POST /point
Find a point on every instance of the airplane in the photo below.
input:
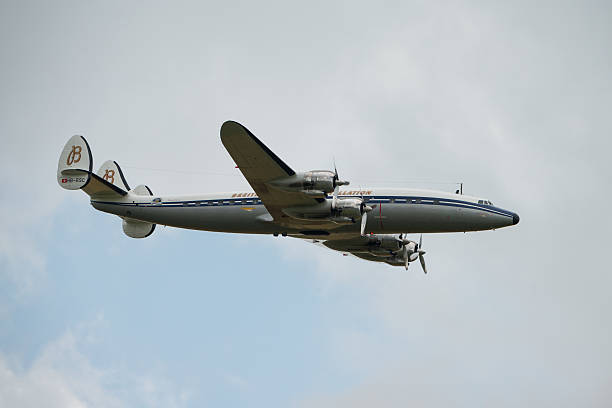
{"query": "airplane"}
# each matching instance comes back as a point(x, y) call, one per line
point(370, 223)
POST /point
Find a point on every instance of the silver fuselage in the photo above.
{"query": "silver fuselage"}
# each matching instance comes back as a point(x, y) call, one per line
point(394, 211)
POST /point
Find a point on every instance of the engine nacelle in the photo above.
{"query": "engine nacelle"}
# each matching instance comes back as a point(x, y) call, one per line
point(339, 211)
point(349, 208)
point(316, 183)
point(388, 242)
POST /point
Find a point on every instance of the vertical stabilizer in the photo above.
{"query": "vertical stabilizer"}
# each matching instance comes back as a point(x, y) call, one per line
point(111, 172)
point(74, 166)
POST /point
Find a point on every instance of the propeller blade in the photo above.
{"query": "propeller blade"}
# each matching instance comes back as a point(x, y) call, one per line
point(421, 241)
point(364, 221)
point(406, 258)
point(422, 259)
point(335, 171)
point(337, 181)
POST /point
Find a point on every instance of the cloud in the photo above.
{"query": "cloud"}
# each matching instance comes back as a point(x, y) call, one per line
point(63, 376)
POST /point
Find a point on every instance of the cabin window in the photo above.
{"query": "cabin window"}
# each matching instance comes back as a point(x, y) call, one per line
point(417, 201)
point(436, 202)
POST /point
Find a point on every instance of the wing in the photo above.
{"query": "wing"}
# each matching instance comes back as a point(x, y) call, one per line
point(360, 247)
point(369, 257)
point(260, 165)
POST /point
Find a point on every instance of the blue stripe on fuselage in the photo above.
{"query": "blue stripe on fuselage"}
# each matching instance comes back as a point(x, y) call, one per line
point(370, 199)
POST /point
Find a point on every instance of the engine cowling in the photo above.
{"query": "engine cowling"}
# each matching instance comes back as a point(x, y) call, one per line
point(319, 180)
point(348, 207)
point(388, 242)
point(316, 183)
point(342, 211)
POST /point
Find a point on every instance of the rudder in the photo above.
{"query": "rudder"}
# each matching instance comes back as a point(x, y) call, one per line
point(111, 172)
point(75, 162)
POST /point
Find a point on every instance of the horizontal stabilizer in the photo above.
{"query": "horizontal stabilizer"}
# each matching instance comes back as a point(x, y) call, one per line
point(98, 187)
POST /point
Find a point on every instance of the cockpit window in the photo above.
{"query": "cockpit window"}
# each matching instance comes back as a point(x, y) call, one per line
point(485, 202)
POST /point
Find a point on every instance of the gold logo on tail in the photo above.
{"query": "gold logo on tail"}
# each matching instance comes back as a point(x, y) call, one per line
point(109, 176)
point(74, 156)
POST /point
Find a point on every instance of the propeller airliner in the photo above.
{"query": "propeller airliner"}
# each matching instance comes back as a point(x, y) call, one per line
point(317, 205)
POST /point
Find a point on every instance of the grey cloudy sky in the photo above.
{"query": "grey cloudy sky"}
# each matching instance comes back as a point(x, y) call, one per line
point(513, 99)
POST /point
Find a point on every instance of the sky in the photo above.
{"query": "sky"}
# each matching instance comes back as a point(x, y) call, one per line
point(511, 98)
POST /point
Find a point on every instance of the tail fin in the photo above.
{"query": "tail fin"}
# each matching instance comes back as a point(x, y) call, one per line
point(111, 172)
point(75, 163)
point(135, 228)
point(74, 171)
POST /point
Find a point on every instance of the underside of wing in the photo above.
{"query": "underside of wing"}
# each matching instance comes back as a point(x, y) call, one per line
point(376, 248)
point(369, 257)
point(260, 166)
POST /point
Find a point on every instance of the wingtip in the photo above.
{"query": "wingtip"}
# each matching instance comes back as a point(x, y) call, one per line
point(230, 127)
point(231, 123)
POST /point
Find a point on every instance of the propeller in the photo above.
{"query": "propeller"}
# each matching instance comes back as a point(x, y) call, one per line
point(411, 251)
point(421, 253)
point(365, 209)
point(337, 182)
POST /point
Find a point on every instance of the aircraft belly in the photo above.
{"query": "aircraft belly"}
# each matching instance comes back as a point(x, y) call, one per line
point(220, 218)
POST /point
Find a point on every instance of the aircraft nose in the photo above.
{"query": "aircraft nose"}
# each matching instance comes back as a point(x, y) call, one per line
point(515, 219)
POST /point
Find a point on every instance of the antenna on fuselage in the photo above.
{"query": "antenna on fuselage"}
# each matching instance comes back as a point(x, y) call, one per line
point(460, 191)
